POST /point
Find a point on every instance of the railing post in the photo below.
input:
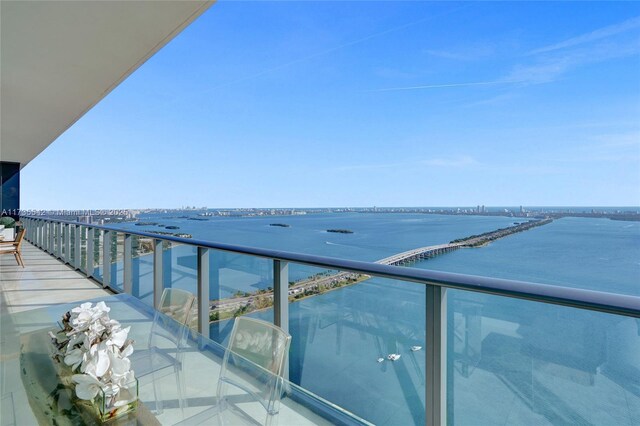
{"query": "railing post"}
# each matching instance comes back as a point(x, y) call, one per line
point(52, 238)
point(67, 243)
point(50, 232)
point(77, 257)
point(436, 356)
point(203, 291)
point(281, 294)
point(90, 237)
point(281, 300)
point(106, 259)
point(158, 284)
point(59, 227)
point(127, 285)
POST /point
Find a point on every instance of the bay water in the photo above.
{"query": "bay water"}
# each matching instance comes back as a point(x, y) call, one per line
point(509, 361)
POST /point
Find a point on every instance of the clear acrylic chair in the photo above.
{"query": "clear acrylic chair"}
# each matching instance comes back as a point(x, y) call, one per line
point(251, 376)
point(167, 343)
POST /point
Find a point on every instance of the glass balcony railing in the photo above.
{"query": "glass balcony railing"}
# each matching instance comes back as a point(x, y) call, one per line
point(472, 350)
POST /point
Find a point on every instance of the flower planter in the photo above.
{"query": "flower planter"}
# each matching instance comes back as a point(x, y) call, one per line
point(91, 353)
point(114, 406)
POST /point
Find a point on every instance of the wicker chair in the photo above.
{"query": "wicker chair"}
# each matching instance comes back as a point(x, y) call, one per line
point(13, 247)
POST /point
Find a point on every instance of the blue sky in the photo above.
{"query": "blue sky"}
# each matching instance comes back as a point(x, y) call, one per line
point(305, 104)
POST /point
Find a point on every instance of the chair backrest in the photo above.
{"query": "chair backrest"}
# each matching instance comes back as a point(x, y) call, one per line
point(19, 237)
point(255, 362)
point(170, 318)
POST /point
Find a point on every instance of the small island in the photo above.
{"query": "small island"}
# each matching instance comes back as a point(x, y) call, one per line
point(173, 234)
point(146, 223)
point(281, 225)
point(341, 231)
point(172, 227)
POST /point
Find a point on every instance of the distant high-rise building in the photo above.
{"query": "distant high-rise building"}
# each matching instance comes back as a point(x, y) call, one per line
point(85, 219)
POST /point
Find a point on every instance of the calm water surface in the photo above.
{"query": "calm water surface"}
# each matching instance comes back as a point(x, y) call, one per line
point(510, 361)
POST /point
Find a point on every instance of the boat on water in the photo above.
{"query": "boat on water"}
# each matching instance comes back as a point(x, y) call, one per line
point(393, 357)
point(415, 348)
point(380, 359)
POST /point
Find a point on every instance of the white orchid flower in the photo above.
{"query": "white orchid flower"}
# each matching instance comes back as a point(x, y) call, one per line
point(127, 350)
point(82, 308)
point(97, 362)
point(119, 366)
point(74, 358)
point(80, 340)
point(118, 337)
point(102, 307)
point(98, 346)
point(87, 387)
point(84, 315)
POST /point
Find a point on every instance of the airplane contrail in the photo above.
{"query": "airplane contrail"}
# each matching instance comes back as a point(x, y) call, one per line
point(335, 48)
point(438, 86)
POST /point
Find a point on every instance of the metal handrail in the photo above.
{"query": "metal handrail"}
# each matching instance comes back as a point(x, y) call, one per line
point(611, 303)
point(47, 234)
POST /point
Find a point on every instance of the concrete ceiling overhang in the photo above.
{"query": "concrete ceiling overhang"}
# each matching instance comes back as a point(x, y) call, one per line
point(59, 58)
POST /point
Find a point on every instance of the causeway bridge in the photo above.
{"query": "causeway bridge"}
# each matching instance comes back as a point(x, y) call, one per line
point(421, 253)
point(398, 259)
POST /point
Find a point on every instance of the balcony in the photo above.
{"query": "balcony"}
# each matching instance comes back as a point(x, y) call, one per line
point(482, 350)
point(33, 297)
point(473, 350)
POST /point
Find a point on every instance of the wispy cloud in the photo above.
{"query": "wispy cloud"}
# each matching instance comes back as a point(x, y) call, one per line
point(607, 148)
point(445, 162)
point(466, 53)
point(630, 139)
point(592, 36)
point(542, 72)
point(365, 167)
point(550, 67)
point(459, 162)
point(549, 63)
point(441, 86)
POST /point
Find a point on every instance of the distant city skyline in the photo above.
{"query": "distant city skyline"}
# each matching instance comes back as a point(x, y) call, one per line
point(381, 104)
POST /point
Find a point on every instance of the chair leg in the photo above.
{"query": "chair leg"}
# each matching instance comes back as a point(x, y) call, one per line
point(180, 385)
point(19, 257)
point(157, 394)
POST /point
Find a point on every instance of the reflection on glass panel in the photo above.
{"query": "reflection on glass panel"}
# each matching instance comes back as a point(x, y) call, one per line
point(344, 336)
point(519, 362)
point(142, 268)
point(239, 285)
point(54, 240)
point(179, 269)
point(83, 248)
point(361, 346)
point(98, 243)
point(63, 233)
point(117, 260)
point(72, 244)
